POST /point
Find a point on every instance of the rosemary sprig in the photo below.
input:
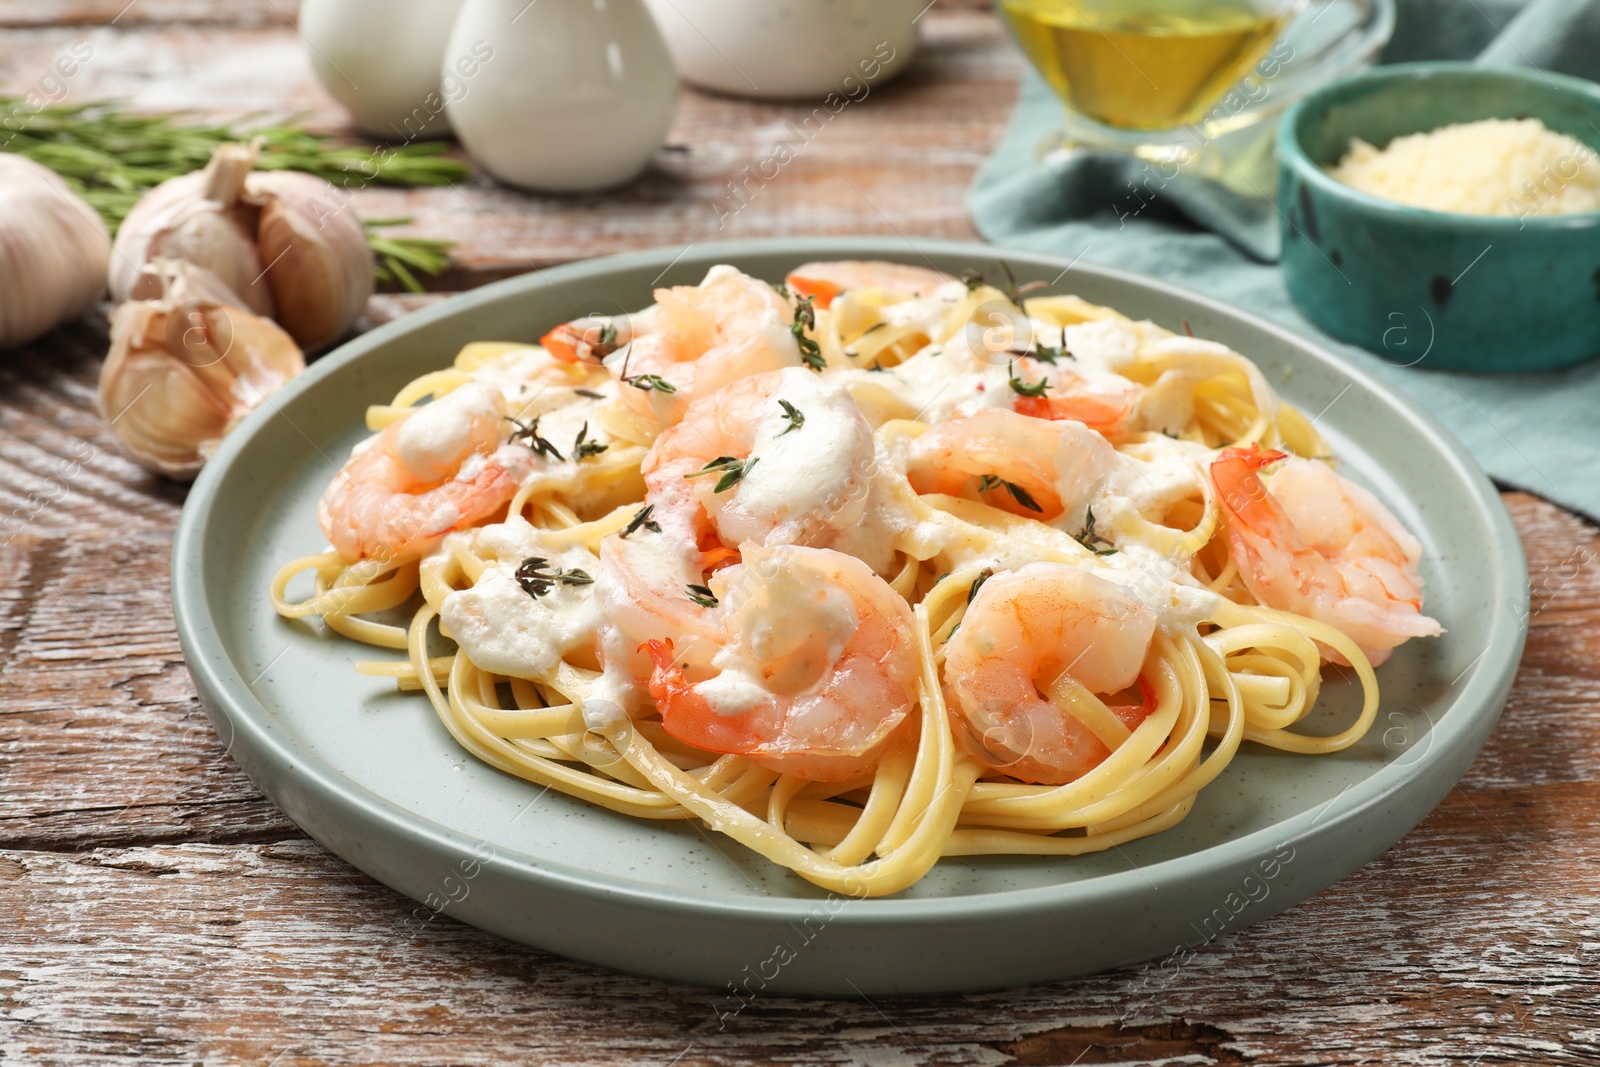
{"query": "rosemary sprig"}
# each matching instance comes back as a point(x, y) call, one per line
point(702, 595)
point(731, 468)
point(111, 156)
point(796, 418)
point(528, 433)
point(1093, 541)
point(536, 581)
point(641, 520)
point(398, 257)
point(1020, 495)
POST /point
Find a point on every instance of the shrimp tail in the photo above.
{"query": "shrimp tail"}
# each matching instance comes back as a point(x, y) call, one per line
point(822, 292)
point(1234, 472)
point(564, 343)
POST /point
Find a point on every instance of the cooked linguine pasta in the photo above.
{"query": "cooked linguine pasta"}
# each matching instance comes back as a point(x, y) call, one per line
point(864, 569)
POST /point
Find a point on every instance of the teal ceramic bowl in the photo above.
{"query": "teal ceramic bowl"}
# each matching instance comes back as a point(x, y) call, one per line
point(1428, 288)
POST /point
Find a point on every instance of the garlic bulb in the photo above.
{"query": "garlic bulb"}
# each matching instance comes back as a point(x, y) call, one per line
point(185, 368)
point(282, 241)
point(200, 219)
point(53, 251)
point(321, 269)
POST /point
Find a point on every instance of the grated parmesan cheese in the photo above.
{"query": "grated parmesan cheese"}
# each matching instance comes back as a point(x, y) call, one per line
point(1508, 167)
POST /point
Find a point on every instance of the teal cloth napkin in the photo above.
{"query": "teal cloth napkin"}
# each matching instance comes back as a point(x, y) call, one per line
point(1539, 432)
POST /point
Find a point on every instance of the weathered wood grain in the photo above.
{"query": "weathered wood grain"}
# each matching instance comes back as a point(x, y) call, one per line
point(193, 953)
point(157, 909)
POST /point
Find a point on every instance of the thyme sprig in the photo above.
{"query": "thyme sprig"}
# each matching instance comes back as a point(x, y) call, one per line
point(731, 468)
point(641, 520)
point(527, 433)
point(649, 382)
point(972, 593)
point(583, 448)
point(536, 581)
point(1093, 541)
point(795, 417)
point(1022, 388)
point(805, 318)
point(1020, 495)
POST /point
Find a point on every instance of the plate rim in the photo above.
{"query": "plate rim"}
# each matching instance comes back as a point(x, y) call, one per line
point(227, 691)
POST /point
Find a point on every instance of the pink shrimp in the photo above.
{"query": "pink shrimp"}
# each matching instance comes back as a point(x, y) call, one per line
point(800, 446)
point(1105, 404)
point(438, 469)
point(1031, 641)
point(698, 339)
point(1314, 543)
point(816, 668)
point(825, 281)
point(588, 340)
point(1027, 466)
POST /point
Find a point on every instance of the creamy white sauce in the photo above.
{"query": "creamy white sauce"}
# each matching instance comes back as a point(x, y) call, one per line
point(809, 481)
point(500, 626)
point(436, 438)
point(786, 632)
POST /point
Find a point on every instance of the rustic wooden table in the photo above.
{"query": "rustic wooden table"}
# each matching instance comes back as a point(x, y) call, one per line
point(157, 907)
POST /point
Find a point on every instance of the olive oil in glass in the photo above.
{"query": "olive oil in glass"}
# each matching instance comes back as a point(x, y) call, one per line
point(1143, 64)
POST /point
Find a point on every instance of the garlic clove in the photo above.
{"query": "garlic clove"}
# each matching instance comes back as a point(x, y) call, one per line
point(53, 251)
point(319, 265)
point(184, 369)
point(202, 218)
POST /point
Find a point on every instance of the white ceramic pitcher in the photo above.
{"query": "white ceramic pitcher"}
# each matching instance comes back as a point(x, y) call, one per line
point(381, 59)
point(576, 95)
point(790, 49)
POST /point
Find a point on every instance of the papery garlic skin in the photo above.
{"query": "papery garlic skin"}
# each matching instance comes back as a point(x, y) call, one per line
point(183, 370)
point(320, 266)
point(53, 251)
point(287, 243)
point(200, 218)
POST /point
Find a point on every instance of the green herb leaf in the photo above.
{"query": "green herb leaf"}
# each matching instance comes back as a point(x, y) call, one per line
point(641, 520)
point(1093, 541)
point(1022, 388)
point(647, 382)
point(731, 468)
point(528, 433)
point(536, 581)
point(977, 584)
point(1022, 496)
point(112, 156)
point(805, 318)
point(987, 482)
point(702, 595)
point(794, 415)
point(583, 448)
